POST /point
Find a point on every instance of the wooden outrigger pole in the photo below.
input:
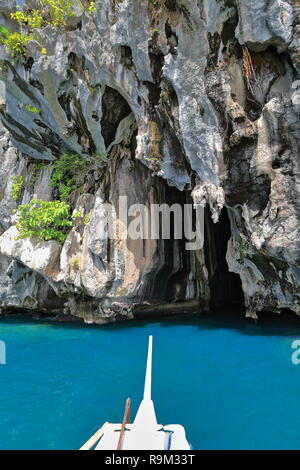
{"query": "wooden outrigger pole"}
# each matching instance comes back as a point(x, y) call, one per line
point(126, 419)
point(94, 439)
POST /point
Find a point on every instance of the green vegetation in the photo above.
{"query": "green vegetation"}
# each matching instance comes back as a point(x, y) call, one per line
point(99, 158)
point(68, 174)
point(15, 42)
point(263, 261)
point(52, 220)
point(75, 263)
point(156, 3)
point(32, 109)
point(35, 171)
point(44, 220)
point(32, 20)
point(54, 12)
point(91, 8)
point(76, 215)
point(243, 246)
point(50, 12)
point(17, 187)
point(87, 218)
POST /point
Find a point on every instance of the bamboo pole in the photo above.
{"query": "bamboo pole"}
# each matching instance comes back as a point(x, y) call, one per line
point(93, 440)
point(126, 416)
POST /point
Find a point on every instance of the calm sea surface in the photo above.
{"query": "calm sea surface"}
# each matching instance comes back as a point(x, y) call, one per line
point(231, 383)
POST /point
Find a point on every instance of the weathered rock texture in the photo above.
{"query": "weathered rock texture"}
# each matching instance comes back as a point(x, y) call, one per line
point(191, 99)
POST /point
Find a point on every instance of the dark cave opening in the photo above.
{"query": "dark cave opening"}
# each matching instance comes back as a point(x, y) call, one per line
point(170, 283)
point(229, 27)
point(225, 286)
point(114, 109)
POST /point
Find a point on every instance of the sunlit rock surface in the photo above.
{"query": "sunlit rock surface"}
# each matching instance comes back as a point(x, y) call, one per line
point(193, 101)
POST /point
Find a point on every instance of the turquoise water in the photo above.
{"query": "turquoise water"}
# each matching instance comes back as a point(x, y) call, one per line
point(231, 383)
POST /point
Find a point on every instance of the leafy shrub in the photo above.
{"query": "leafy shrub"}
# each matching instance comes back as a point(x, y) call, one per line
point(17, 187)
point(3, 31)
point(91, 8)
point(33, 20)
point(59, 11)
point(68, 174)
point(54, 12)
point(75, 263)
point(32, 109)
point(70, 169)
point(242, 246)
point(87, 218)
point(16, 43)
point(44, 220)
point(52, 220)
point(35, 170)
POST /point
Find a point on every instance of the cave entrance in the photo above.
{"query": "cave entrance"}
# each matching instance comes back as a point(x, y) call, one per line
point(225, 286)
point(114, 109)
point(170, 283)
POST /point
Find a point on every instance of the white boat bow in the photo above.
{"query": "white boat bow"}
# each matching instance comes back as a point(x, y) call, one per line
point(144, 433)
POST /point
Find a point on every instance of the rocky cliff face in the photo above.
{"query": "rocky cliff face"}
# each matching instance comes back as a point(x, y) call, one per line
point(190, 100)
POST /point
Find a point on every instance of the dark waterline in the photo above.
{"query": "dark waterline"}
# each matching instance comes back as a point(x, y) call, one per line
point(229, 381)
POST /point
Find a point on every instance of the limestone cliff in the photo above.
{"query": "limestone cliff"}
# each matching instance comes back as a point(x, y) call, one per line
point(190, 100)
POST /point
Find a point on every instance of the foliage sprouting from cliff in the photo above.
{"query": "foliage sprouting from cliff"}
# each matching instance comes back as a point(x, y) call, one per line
point(17, 186)
point(52, 220)
point(68, 174)
point(29, 20)
point(45, 220)
point(15, 42)
point(54, 12)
